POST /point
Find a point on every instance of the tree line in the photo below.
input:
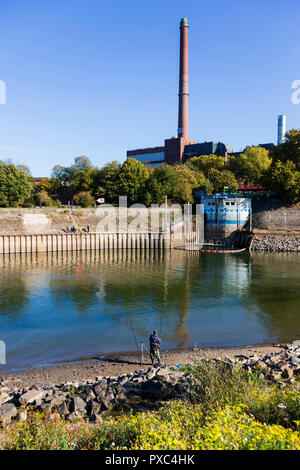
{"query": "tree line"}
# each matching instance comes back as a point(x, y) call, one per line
point(277, 170)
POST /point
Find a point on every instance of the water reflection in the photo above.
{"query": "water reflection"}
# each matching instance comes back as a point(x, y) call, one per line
point(69, 305)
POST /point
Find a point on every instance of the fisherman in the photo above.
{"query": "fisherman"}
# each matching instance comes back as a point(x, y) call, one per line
point(154, 348)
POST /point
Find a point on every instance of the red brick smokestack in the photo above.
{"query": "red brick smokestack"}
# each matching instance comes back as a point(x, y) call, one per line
point(183, 130)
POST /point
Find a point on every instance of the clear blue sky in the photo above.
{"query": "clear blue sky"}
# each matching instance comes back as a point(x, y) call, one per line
point(97, 78)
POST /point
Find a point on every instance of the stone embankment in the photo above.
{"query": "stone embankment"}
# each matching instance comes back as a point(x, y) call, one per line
point(268, 243)
point(138, 391)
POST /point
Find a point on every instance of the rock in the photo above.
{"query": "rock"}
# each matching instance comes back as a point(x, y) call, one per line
point(93, 408)
point(133, 396)
point(100, 388)
point(32, 396)
point(296, 344)
point(36, 387)
point(121, 396)
point(163, 374)
point(22, 416)
point(67, 386)
point(97, 418)
point(88, 396)
point(49, 387)
point(295, 360)
point(4, 390)
point(241, 357)
point(287, 372)
point(151, 372)
point(107, 401)
point(281, 384)
point(58, 400)
point(63, 409)
point(123, 381)
point(46, 406)
point(151, 389)
point(7, 411)
point(281, 365)
point(275, 375)
point(274, 362)
point(78, 405)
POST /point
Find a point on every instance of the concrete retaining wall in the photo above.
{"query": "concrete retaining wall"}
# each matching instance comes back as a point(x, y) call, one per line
point(77, 242)
point(272, 215)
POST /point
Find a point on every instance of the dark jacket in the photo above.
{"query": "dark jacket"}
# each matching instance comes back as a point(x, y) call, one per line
point(154, 341)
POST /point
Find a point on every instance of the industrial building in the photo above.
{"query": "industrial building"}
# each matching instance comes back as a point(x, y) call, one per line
point(179, 148)
point(224, 213)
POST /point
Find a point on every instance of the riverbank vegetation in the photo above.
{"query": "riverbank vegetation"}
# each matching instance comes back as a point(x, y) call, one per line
point(277, 170)
point(228, 408)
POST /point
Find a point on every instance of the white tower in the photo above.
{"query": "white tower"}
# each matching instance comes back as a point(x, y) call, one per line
point(281, 129)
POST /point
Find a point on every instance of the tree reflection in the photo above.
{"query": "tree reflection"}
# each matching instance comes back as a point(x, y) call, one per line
point(275, 285)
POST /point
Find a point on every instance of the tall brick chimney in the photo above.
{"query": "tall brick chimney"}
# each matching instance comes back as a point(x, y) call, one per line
point(183, 130)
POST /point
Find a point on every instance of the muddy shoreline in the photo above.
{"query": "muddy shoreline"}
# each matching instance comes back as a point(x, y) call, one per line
point(113, 365)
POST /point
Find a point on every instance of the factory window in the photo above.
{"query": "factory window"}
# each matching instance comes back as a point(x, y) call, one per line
point(149, 157)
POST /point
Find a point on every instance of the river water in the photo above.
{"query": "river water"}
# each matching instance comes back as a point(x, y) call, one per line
point(61, 307)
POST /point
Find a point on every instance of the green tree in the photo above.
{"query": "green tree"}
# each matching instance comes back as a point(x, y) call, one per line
point(220, 179)
point(107, 182)
point(283, 176)
point(205, 163)
point(252, 164)
point(46, 184)
point(24, 168)
point(81, 175)
point(74, 179)
point(284, 179)
point(161, 183)
point(288, 150)
point(133, 176)
point(15, 185)
point(186, 183)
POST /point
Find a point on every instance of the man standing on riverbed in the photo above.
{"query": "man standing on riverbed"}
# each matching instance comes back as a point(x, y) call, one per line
point(154, 348)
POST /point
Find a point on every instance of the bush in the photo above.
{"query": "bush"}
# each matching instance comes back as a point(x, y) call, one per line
point(43, 199)
point(218, 384)
point(84, 199)
point(56, 203)
point(179, 425)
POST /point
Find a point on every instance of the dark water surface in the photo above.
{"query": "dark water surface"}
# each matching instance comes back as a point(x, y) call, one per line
point(61, 307)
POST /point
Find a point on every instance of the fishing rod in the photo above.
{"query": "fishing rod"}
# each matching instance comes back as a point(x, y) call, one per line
point(161, 319)
point(134, 336)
